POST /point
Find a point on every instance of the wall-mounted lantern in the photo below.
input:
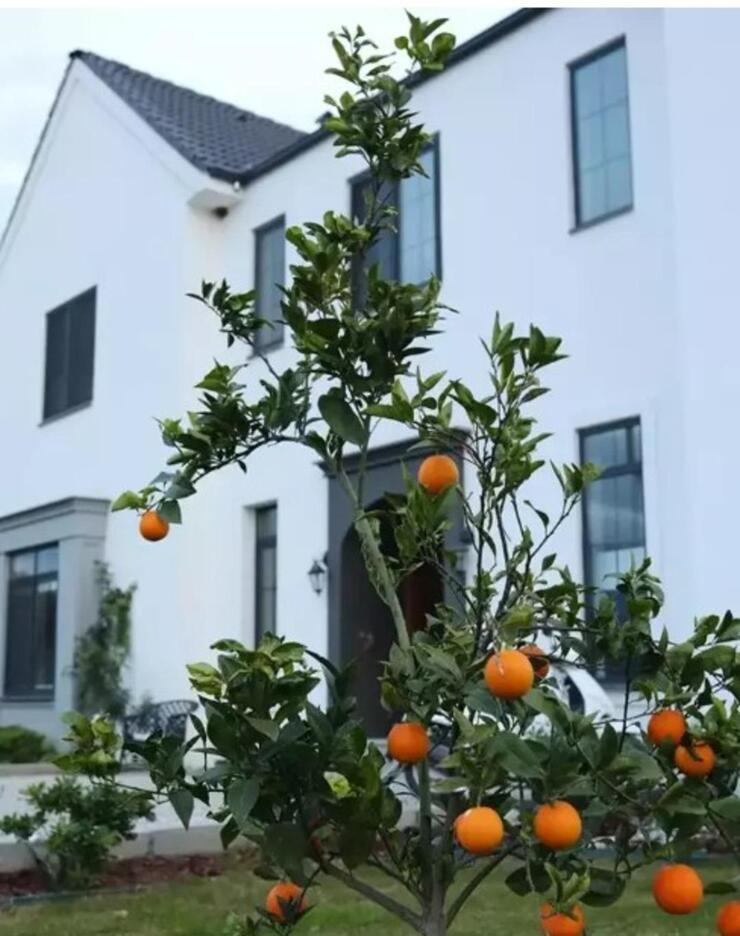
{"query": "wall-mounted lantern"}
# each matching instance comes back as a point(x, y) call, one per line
point(317, 575)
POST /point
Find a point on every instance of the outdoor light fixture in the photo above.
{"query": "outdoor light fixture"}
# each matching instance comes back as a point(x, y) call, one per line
point(317, 575)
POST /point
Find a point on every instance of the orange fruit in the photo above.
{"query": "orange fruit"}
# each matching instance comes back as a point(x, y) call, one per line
point(666, 725)
point(509, 674)
point(728, 919)
point(479, 830)
point(561, 924)
point(678, 889)
point(437, 473)
point(408, 743)
point(153, 526)
point(285, 901)
point(538, 659)
point(557, 825)
point(697, 760)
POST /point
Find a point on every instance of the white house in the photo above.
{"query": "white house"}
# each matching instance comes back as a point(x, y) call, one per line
point(582, 177)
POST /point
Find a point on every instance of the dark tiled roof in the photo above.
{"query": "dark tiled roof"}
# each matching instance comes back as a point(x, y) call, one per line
point(222, 140)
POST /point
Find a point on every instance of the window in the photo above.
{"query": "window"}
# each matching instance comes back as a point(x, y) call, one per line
point(265, 590)
point(269, 275)
point(613, 510)
point(30, 646)
point(70, 353)
point(411, 253)
point(602, 162)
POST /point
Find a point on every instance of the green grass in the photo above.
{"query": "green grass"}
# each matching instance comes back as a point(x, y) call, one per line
point(199, 906)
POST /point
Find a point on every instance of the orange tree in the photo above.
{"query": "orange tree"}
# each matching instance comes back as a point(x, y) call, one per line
point(526, 780)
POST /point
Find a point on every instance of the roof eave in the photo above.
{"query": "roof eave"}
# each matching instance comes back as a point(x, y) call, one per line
point(470, 47)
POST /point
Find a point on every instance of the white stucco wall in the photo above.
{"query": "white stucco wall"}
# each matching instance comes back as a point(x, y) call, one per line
point(643, 302)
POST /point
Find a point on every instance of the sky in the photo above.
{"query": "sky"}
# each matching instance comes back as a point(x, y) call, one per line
point(268, 59)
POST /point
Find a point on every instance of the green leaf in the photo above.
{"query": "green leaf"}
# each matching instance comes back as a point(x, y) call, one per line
point(727, 808)
point(182, 802)
point(355, 844)
point(608, 747)
point(170, 511)
point(265, 726)
point(720, 887)
point(286, 844)
point(525, 879)
point(241, 798)
point(515, 755)
point(341, 417)
point(126, 501)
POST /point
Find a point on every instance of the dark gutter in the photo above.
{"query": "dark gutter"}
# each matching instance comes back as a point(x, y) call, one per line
point(480, 41)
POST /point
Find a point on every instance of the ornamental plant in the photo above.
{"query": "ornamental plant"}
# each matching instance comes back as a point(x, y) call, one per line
point(527, 787)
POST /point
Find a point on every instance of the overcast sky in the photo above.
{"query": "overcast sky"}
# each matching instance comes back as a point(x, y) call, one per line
point(266, 59)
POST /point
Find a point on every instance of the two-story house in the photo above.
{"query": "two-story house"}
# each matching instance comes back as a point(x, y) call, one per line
point(582, 177)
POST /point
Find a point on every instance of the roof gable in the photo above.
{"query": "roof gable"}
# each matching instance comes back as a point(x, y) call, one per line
point(218, 138)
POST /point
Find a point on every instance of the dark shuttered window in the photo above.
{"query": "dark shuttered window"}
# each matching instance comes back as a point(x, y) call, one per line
point(265, 590)
point(70, 355)
point(269, 268)
point(30, 638)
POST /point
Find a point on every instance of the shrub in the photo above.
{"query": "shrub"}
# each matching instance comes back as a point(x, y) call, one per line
point(19, 745)
point(71, 828)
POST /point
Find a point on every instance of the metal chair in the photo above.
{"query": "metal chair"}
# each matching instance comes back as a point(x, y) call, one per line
point(168, 718)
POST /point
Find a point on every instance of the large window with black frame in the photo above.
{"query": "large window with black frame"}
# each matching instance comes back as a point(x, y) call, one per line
point(265, 578)
point(613, 509)
point(411, 252)
point(31, 618)
point(600, 121)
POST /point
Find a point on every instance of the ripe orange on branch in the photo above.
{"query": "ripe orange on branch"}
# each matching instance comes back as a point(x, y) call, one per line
point(561, 924)
point(153, 526)
point(479, 830)
point(408, 743)
point(678, 889)
point(557, 825)
point(666, 725)
point(538, 659)
point(285, 896)
point(696, 760)
point(728, 919)
point(437, 473)
point(509, 674)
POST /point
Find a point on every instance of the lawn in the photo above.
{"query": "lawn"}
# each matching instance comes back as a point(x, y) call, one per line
point(198, 908)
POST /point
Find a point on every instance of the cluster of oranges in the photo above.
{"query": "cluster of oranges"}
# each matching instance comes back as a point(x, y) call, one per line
point(693, 758)
point(679, 890)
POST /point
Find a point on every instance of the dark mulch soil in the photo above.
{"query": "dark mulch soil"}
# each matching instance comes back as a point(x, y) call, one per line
point(131, 872)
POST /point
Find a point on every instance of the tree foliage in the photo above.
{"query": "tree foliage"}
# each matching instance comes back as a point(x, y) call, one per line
point(305, 783)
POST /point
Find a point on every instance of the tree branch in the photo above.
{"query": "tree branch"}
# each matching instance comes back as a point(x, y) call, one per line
point(382, 900)
point(477, 879)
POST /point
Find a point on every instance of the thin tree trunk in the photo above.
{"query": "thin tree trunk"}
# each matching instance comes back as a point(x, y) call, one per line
point(435, 926)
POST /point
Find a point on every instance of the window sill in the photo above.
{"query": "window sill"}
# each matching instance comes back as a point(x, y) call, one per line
point(27, 699)
point(68, 412)
point(601, 219)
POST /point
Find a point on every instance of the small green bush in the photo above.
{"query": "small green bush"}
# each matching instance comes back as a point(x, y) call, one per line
point(71, 829)
point(19, 745)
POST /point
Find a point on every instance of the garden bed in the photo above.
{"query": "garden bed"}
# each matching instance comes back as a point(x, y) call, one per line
point(130, 873)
